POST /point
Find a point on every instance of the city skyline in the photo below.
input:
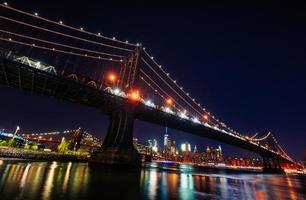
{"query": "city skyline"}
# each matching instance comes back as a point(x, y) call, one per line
point(157, 145)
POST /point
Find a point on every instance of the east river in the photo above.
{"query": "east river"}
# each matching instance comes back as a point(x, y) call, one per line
point(22, 179)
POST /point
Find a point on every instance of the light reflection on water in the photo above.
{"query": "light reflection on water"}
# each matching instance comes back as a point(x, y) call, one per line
point(66, 180)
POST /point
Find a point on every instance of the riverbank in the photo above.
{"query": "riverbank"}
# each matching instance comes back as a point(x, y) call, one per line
point(41, 155)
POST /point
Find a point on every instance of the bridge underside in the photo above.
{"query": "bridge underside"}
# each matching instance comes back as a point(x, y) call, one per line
point(119, 137)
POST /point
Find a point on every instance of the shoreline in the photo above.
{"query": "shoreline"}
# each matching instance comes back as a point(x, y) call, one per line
point(34, 155)
point(40, 155)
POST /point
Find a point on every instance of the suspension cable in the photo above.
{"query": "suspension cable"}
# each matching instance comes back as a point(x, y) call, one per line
point(169, 85)
point(286, 155)
point(58, 44)
point(197, 104)
point(260, 139)
point(159, 87)
point(56, 50)
point(63, 34)
point(150, 85)
point(66, 26)
point(254, 136)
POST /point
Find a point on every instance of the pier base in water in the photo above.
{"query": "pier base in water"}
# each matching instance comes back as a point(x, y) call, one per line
point(118, 148)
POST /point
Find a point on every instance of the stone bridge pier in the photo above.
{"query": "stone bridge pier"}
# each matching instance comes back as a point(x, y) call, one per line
point(117, 147)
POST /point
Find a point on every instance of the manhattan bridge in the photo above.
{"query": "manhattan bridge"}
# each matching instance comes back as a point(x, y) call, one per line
point(48, 57)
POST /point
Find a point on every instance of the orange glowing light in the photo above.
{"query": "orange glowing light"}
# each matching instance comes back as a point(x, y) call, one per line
point(134, 95)
point(112, 77)
point(206, 117)
point(169, 101)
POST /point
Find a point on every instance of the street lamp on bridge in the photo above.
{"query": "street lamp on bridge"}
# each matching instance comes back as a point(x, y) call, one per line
point(112, 77)
point(169, 101)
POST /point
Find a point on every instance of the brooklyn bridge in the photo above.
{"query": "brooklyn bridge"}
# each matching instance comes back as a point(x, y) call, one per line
point(120, 78)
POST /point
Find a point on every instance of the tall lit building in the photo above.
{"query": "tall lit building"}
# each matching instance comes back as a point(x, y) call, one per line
point(155, 146)
point(213, 154)
point(186, 147)
point(169, 146)
point(166, 139)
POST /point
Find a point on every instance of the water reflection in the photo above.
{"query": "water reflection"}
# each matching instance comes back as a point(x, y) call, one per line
point(41, 180)
point(183, 182)
point(67, 180)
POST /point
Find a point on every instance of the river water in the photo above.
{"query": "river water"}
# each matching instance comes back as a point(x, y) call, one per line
point(21, 179)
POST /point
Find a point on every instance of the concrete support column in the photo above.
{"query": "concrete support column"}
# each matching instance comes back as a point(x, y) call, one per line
point(117, 147)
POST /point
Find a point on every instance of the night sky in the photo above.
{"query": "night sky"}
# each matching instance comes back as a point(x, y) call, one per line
point(245, 62)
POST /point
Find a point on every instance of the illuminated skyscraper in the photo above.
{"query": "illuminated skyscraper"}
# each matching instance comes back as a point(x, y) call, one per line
point(186, 147)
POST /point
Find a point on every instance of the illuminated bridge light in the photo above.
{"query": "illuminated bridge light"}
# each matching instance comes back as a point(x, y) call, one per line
point(118, 92)
point(206, 124)
point(183, 115)
point(134, 95)
point(169, 101)
point(168, 110)
point(205, 117)
point(196, 120)
point(149, 103)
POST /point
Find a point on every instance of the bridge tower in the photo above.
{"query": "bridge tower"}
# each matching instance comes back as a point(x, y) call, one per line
point(128, 76)
point(117, 147)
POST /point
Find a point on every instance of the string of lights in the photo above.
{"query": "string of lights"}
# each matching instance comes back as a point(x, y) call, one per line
point(187, 94)
point(281, 149)
point(155, 90)
point(56, 50)
point(171, 87)
point(63, 34)
point(99, 35)
point(150, 85)
point(58, 44)
point(160, 88)
point(260, 139)
point(254, 136)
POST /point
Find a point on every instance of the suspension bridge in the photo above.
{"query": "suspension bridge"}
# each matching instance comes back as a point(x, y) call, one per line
point(48, 57)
